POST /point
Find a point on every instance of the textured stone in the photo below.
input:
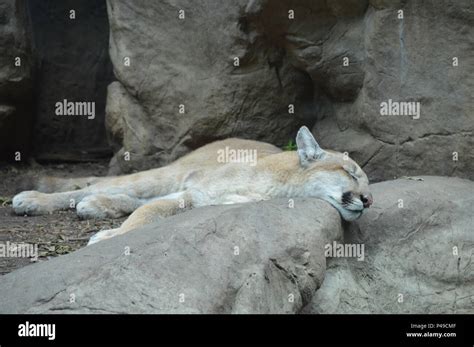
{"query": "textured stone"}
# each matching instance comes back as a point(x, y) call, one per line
point(189, 62)
point(422, 251)
point(407, 59)
point(409, 251)
point(251, 258)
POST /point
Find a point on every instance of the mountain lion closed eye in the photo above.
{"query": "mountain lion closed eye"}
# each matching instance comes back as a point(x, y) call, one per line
point(223, 172)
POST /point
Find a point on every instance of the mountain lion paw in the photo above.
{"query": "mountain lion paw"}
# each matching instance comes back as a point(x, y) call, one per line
point(31, 203)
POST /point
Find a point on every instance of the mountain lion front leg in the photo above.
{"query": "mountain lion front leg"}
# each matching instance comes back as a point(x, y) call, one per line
point(141, 185)
point(89, 203)
point(148, 213)
point(36, 203)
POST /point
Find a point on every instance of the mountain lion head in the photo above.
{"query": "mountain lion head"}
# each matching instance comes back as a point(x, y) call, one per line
point(333, 176)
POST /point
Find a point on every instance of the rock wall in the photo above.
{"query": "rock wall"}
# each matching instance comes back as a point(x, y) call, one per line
point(294, 52)
point(408, 59)
point(16, 80)
point(163, 62)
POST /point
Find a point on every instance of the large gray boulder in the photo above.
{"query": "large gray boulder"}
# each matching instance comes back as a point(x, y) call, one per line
point(162, 62)
point(269, 258)
point(300, 61)
point(253, 258)
point(419, 244)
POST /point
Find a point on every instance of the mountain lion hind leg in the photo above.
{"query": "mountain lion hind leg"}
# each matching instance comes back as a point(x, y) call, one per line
point(100, 206)
point(148, 213)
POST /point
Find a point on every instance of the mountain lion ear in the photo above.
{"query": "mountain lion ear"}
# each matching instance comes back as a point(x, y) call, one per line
point(308, 148)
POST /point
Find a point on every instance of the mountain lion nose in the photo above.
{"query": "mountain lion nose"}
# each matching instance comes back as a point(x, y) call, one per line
point(367, 200)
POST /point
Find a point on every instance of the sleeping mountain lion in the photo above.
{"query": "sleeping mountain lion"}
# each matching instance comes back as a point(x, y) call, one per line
point(207, 177)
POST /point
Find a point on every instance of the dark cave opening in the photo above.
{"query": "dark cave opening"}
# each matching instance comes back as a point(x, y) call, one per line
point(70, 45)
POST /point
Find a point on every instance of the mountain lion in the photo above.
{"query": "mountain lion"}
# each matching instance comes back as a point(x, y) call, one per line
point(223, 172)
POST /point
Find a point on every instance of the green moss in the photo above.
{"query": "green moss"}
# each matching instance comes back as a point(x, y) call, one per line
point(290, 146)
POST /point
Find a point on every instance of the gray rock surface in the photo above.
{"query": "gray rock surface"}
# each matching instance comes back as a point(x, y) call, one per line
point(190, 61)
point(409, 59)
point(189, 263)
point(417, 259)
point(16, 81)
point(409, 251)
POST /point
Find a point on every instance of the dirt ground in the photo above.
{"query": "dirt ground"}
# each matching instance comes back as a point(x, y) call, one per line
point(55, 234)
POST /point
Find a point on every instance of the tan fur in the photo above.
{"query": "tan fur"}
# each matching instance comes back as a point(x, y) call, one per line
point(199, 179)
